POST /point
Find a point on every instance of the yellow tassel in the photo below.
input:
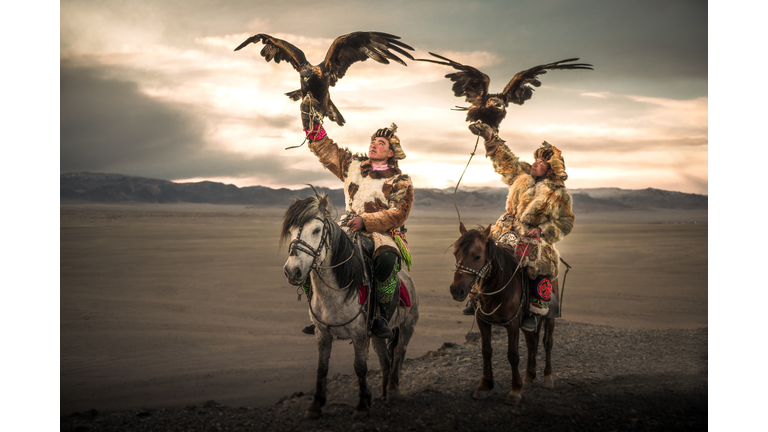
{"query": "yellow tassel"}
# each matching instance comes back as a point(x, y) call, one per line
point(404, 251)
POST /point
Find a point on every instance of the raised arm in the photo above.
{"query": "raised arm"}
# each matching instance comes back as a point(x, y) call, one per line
point(333, 157)
point(505, 162)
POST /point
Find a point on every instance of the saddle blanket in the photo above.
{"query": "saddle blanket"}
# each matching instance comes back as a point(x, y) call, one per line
point(405, 298)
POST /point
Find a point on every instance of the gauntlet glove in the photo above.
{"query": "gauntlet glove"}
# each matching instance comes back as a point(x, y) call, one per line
point(491, 138)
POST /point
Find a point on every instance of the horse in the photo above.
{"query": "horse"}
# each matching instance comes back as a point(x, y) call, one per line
point(321, 251)
point(495, 279)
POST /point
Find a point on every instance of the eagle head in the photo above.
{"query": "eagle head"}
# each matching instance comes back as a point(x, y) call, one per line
point(495, 103)
point(305, 73)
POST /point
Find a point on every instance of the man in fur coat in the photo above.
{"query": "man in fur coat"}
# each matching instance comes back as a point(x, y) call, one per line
point(538, 207)
point(378, 200)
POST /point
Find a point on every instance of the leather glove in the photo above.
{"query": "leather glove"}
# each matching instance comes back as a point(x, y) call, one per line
point(481, 129)
point(310, 112)
point(492, 139)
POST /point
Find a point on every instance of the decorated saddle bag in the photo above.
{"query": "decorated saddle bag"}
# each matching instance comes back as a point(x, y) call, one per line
point(526, 250)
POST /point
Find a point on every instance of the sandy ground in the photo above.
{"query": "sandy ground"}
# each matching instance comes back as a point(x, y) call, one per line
point(174, 305)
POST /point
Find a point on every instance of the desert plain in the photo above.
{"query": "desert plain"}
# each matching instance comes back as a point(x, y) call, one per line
point(167, 305)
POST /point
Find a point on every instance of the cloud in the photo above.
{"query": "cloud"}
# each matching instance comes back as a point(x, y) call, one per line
point(149, 91)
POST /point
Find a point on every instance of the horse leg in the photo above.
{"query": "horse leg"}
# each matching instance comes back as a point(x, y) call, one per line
point(405, 332)
point(324, 343)
point(513, 337)
point(486, 382)
point(385, 362)
point(532, 344)
point(360, 344)
point(549, 332)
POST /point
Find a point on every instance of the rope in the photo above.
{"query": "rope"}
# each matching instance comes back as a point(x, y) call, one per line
point(462, 176)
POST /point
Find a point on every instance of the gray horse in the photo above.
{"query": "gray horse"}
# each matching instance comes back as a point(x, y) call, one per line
point(321, 251)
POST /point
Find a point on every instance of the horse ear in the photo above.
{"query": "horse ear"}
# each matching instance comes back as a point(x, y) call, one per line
point(462, 228)
point(322, 200)
point(487, 231)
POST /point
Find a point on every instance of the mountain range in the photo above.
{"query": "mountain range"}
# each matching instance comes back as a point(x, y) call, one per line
point(101, 187)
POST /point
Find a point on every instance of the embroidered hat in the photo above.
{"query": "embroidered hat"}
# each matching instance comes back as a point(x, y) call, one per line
point(394, 141)
point(554, 158)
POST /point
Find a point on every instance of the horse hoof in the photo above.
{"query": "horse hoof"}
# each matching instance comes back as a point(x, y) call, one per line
point(359, 414)
point(528, 378)
point(513, 398)
point(548, 382)
point(393, 395)
point(312, 415)
point(481, 395)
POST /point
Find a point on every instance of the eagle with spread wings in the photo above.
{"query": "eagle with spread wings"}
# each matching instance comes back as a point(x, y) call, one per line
point(492, 108)
point(343, 52)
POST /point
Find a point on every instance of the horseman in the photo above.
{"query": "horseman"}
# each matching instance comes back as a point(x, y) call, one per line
point(538, 209)
point(378, 200)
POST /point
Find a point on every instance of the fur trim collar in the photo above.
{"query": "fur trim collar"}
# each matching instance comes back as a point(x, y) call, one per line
point(366, 168)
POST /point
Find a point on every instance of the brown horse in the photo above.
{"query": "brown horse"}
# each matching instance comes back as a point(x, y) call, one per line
point(491, 275)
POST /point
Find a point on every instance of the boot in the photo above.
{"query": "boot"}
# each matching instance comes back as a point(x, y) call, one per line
point(470, 309)
point(380, 329)
point(387, 266)
point(530, 322)
point(310, 329)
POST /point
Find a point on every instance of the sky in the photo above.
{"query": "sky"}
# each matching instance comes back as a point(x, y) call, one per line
point(155, 89)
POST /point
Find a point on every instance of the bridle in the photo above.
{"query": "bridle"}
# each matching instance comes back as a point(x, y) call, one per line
point(479, 275)
point(302, 246)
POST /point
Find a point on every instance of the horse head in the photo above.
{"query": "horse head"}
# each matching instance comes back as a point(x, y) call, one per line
point(307, 223)
point(472, 261)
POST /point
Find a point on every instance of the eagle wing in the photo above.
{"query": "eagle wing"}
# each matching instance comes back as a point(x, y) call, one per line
point(277, 50)
point(518, 91)
point(359, 46)
point(468, 82)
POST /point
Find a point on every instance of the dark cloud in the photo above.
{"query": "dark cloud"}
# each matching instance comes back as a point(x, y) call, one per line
point(105, 123)
point(110, 126)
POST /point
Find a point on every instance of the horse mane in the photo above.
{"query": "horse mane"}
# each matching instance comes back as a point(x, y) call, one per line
point(304, 210)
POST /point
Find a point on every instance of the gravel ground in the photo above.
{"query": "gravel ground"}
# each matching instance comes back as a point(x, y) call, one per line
point(606, 379)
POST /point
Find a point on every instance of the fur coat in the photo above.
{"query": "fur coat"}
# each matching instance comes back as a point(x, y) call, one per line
point(382, 198)
point(543, 204)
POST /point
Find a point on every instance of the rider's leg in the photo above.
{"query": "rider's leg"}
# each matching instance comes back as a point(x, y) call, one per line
point(541, 294)
point(386, 266)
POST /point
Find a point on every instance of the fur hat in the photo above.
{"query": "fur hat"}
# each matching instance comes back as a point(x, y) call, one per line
point(394, 141)
point(554, 158)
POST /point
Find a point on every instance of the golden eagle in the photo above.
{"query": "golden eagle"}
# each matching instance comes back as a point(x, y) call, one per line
point(492, 108)
point(345, 50)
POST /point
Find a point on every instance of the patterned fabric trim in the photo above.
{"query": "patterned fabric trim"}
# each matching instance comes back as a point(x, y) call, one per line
point(387, 288)
point(315, 134)
point(544, 290)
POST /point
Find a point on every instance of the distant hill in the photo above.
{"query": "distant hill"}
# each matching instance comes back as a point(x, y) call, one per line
point(100, 187)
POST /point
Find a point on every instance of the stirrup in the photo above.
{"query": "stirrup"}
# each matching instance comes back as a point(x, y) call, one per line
point(310, 329)
point(530, 322)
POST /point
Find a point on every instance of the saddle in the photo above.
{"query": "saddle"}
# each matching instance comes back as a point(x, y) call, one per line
point(525, 250)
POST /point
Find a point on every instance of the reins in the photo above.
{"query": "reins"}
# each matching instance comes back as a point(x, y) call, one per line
point(482, 275)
